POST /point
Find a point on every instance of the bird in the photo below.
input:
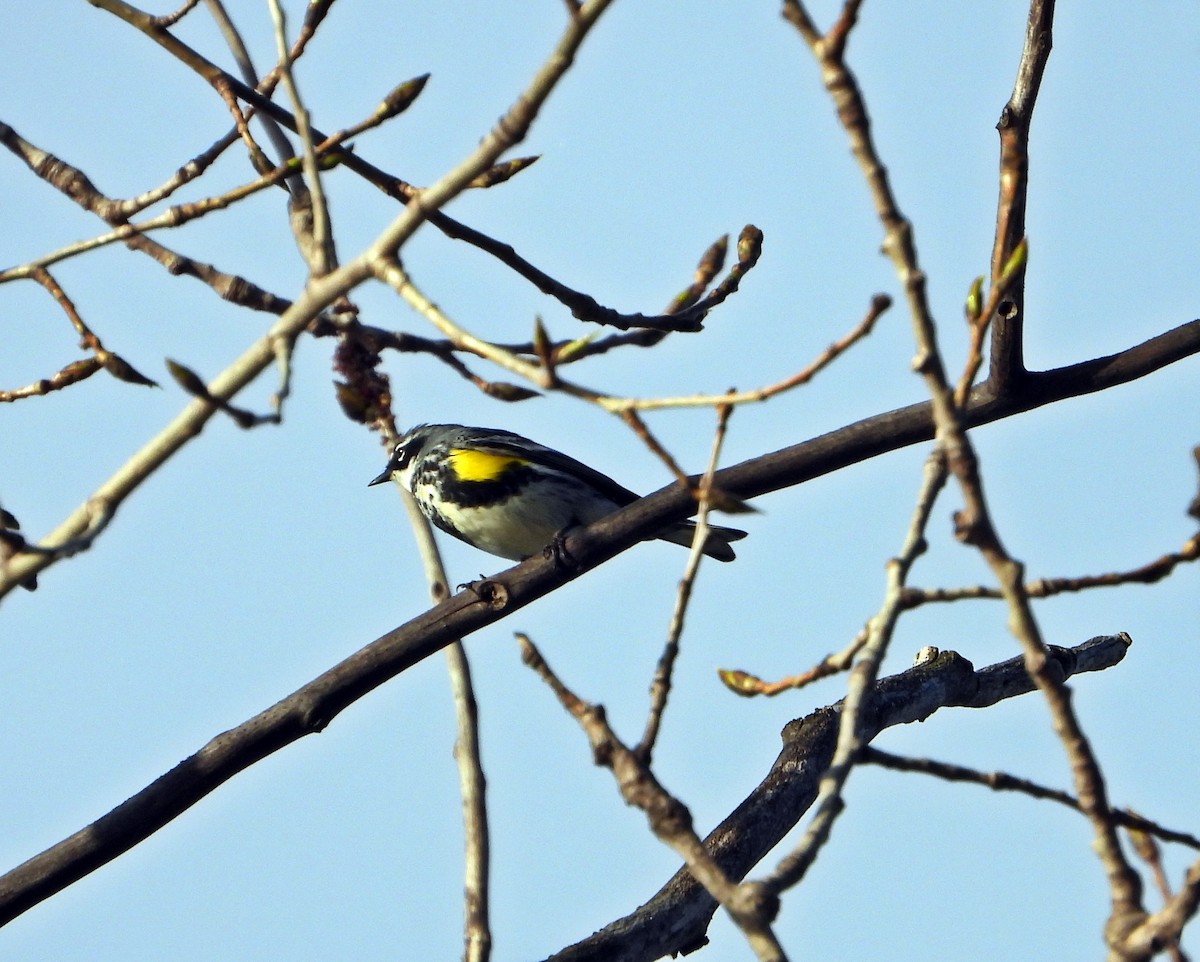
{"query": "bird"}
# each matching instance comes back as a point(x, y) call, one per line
point(512, 497)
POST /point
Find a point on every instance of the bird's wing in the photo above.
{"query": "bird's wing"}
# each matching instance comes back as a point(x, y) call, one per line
point(513, 445)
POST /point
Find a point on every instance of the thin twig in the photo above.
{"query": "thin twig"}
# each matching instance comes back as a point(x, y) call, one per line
point(477, 935)
point(1149, 573)
point(660, 687)
point(318, 294)
point(398, 279)
point(852, 736)
point(747, 684)
point(309, 212)
point(676, 919)
point(1148, 851)
point(78, 187)
point(237, 47)
point(170, 19)
point(1004, 782)
point(76, 371)
point(1007, 349)
point(750, 907)
point(973, 523)
point(181, 214)
point(581, 305)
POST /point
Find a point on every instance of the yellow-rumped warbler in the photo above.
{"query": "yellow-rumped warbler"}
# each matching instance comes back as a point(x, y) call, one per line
point(511, 496)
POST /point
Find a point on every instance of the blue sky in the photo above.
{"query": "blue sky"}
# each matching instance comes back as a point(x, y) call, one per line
point(255, 560)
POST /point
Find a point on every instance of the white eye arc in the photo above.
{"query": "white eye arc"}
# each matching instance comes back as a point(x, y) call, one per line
point(404, 453)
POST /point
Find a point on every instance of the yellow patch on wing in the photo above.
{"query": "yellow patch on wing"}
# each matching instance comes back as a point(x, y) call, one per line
point(472, 465)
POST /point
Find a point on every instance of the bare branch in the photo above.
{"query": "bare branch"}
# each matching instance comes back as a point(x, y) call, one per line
point(660, 687)
point(1007, 349)
point(973, 524)
point(76, 185)
point(676, 919)
point(852, 736)
point(1004, 782)
point(519, 118)
point(477, 934)
point(1149, 573)
point(751, 908)
point(749, 685)
point(790, 466)
point(1164, 927)
point(319, 294)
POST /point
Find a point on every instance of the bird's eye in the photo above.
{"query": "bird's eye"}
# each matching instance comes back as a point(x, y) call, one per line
point(404, 453)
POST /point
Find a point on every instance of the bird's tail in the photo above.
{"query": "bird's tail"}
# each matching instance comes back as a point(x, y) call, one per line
point(716, 545)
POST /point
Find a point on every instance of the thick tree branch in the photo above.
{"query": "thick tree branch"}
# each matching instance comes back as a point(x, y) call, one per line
point(904, 426)
point(793, 465)
point(313, 706)
point(676, 919)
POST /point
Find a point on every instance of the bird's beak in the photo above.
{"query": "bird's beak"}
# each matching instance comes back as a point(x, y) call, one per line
point(386, 476)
